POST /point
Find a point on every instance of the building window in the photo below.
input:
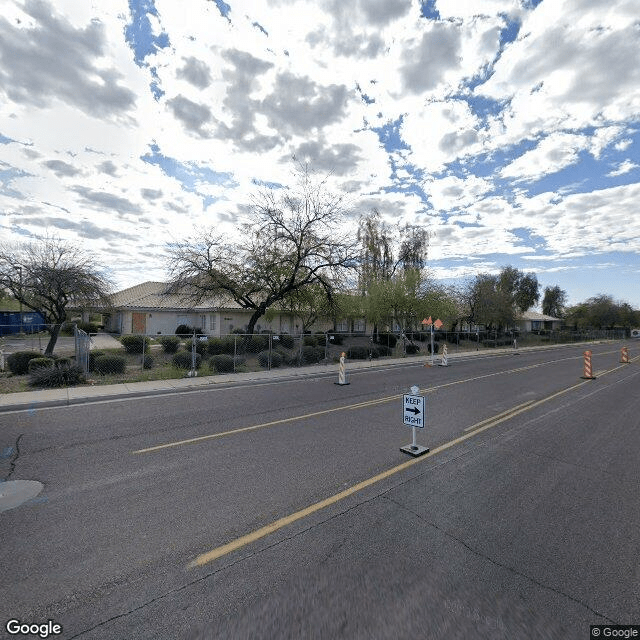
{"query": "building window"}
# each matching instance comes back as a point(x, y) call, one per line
point(212, 322)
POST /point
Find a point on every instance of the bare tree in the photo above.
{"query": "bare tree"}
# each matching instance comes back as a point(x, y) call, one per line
point(291, 240)
point(50, 276)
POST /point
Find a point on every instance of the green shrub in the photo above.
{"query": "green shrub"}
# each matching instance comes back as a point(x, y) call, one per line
point(92, 359)
point(135, 344)
point(287, 341)
point(148, 362)
point(387, 339)
point(18, 362)
point(374, 352)
point(310, 341)
point(40, 363)
point(88, 327)
point(358, 353)
point(263, 359)
point(383, 350)
point(216, 346)
point(107, 364)
point(63, 362)
point(186, 330)
point(412, 349)
point(255, 343)
point(311, 355)
point(222, 363)
point(182, 360)
point(170, 344)
point(201, 346)
point(56, 376)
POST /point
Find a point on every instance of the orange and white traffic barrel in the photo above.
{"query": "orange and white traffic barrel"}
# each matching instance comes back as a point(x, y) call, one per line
point(624, 355)
point(588, 372)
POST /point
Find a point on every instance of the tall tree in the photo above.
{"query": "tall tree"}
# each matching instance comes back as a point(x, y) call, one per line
point(391, 273)
point(50, 276)
point(290, 240)
point(522, 289)
point(554, 301)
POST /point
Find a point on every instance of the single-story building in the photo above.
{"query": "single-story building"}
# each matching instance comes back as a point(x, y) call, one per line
point(531, 321)
point(148, 309)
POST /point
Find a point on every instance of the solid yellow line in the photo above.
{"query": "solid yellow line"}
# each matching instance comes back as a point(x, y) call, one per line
point(499, 415)
point(238, 543)
point(210, 436)
point(359, 405)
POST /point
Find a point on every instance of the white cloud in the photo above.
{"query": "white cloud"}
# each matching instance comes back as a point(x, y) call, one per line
point(623, 167)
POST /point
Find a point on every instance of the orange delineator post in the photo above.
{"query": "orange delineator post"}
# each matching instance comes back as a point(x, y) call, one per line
point(624, 355)
point(587, 366)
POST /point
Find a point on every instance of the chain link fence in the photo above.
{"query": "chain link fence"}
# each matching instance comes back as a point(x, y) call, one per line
point(104, 358)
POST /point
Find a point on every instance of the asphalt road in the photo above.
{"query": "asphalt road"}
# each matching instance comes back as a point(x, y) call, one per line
point(287, 510)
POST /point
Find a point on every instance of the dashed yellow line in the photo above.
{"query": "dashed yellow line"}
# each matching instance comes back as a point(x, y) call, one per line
point(272, 527)
point(350, 407)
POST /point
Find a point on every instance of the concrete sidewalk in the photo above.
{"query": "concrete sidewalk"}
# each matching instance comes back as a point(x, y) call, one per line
point(86, 393)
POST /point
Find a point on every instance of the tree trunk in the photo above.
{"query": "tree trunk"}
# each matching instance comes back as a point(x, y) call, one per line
point(55, 332)
point(257, 314)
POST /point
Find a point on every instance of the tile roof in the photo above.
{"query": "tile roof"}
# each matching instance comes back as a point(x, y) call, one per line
point(534, 315)
point(152, 295)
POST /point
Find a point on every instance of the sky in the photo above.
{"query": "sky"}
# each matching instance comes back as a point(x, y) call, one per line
point(510, 129)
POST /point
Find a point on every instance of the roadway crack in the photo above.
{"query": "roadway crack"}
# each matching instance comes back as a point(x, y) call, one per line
point(497, 563)
point(14, 458)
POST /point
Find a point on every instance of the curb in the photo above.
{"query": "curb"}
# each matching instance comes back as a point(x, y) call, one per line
point(89, 394)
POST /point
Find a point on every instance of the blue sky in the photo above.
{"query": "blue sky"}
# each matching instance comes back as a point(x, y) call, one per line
point(508, 128)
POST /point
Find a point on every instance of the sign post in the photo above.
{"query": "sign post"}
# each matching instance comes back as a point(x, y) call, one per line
point(413, 416)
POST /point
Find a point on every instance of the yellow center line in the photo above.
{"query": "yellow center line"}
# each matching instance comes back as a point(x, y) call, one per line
point(272, 527)
point(359, 405)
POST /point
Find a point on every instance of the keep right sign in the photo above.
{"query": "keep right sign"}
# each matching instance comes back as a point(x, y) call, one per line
point(413, 410)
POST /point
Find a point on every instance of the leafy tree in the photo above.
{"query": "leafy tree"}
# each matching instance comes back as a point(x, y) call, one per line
point(554, 302)
point(522, 289)
point(289, 242)
point(391, 274)
point(602, 312)
point(50, 276)
point(489, 302)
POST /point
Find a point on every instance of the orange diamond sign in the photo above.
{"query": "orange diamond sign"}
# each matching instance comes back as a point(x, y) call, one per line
point(438, 323)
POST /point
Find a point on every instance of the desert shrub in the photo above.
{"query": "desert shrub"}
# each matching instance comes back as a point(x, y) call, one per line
point(108, 363)
point(263, 359)
point(387, 339)
point(311, 355)
point(255, 343)
point(182, 360)
point(287, 341)
point(310, 341)
point(135, 344)
point(18, 362)
point(358, 353)
point(148, 362)
point(63, 362)
point(88, 327)
point(170, 344)
point(40, 363)
point(222, 363)
point(56, 376)
point(412, 349)
point(216, 346)
point(186, 330)
point(201, 346)
point(92, 359)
